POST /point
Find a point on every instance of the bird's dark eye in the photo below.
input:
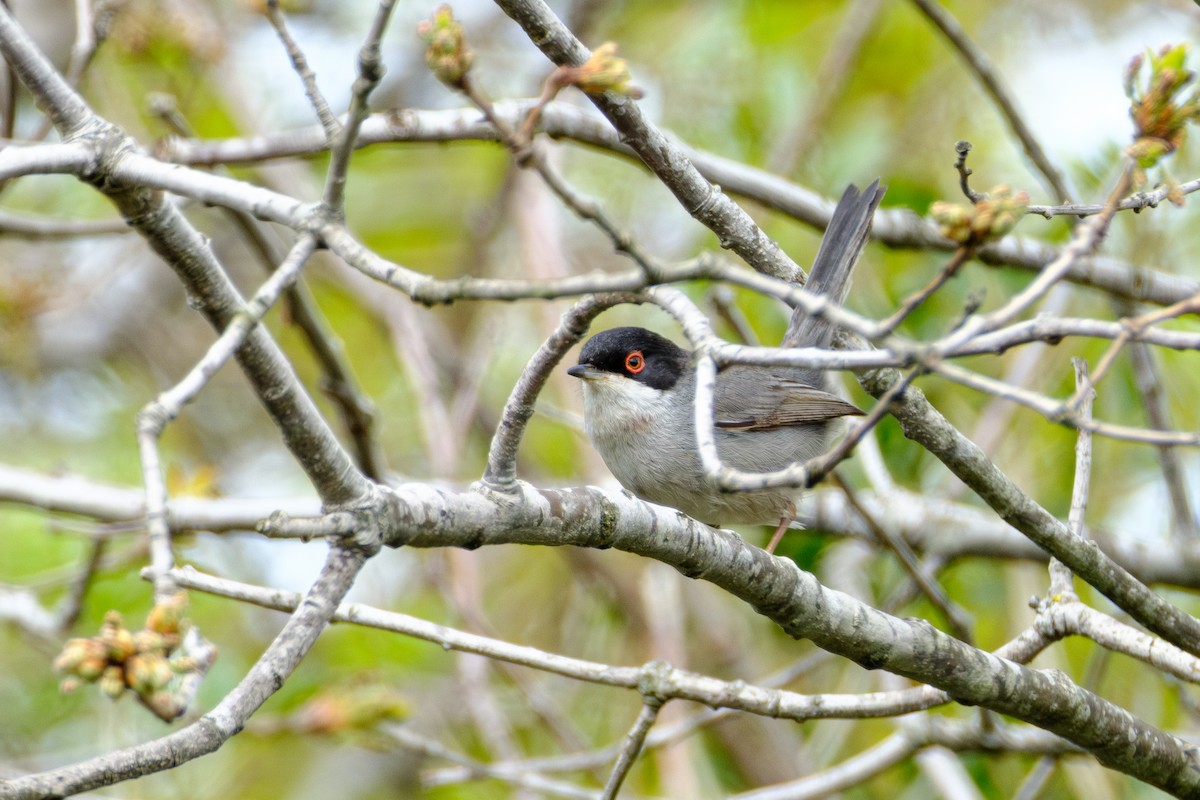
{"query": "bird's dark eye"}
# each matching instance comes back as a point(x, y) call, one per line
point(635, 362)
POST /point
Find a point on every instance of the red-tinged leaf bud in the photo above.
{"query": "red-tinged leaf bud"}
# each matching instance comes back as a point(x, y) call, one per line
point(446, 51)
point(1158, 108)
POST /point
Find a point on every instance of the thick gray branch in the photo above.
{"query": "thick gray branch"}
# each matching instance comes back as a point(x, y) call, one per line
point(923, 424)
point(928, 525)
point(423, 517)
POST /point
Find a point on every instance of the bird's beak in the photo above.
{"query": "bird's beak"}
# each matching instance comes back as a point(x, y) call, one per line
point(584, 371)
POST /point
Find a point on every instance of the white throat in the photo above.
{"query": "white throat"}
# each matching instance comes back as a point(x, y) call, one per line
point(616, 408)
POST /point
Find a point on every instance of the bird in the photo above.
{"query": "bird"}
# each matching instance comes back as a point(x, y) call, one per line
point(639, 389)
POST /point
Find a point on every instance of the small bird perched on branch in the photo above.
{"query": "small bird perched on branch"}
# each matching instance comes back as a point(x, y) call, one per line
point(639, 389)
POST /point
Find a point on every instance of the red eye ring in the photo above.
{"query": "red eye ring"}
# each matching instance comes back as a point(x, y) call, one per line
point(635, 362)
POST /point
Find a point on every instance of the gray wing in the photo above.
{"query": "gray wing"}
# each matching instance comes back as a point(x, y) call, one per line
point(744, 402)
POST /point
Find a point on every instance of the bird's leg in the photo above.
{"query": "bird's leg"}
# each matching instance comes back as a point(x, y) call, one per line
point(785, 522)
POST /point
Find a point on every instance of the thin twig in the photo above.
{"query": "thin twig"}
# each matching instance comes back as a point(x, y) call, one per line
point(1037, 778)
point(822, 465)
point(518, 774)
point(706, 202)
point(1133, 326)
point(847, 774)
point(92, 23)
point(463, 586)
point(1064, 615)
point(370, 73)
point(1147, 380)
point(634, 741)
point(992, 83)
point(528, 154)
point(300, 64)
point(725, 307)
point(30, 227)
point(913, 301)
point(1083, 453)
point(565, 121)
point(154, 417)
point(1061, 582)
point(72, 605)
point(338, 380)
point(1061, 412)
point(1087, 238)
point(962, 148)
point(892, 227)
point(501, 466)
point(956, 617)
point(228, 717)
point(673, 683)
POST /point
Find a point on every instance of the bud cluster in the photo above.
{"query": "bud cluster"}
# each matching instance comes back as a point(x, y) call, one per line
point(120, 660)
point(449, 58)
point(990, 218)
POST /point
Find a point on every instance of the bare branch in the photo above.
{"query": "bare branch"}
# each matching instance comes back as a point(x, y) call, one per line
point(922, 422)
point(300, 64)
point(634, 741)
point(669, 682)
point(699, 197)
point(472, 769)
point(893, 227)
point(370, 73)
point(154, 417)
point(796, 602)
point(1060, 576)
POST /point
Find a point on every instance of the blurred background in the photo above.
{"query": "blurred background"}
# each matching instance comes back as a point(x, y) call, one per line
point(823, 93)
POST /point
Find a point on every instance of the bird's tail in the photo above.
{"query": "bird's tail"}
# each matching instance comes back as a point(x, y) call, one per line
point(830, 275)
